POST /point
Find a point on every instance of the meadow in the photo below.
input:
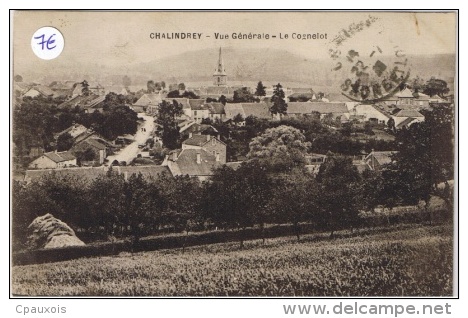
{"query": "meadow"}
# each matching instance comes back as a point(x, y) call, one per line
point(415, 260)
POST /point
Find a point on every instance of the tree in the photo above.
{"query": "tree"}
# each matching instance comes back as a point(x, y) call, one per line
point(295, 199)
point(436, 86)
point(238, 119)
point(181, 87)
point(425, 158)
point(182, 196)
point(85, 88)
point(143, 203)
point(243, 95)
point(118, 121)
point(150, 86)
point(417, 84)
point(391, 125)
point(260, 91)
point(85, 155)
point(223, 100)
point(237, 198)
point(280, 148)
point(107, 203)
point(64, 142)
point(279, 104)
point(167, 115)
point(339, 181)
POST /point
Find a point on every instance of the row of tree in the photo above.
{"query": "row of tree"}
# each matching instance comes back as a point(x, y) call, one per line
point(273, 186)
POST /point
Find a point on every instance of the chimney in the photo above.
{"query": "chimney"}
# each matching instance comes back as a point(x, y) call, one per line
point(217, 157)
point(174, 156)
point(198, 158)
point(190, 135)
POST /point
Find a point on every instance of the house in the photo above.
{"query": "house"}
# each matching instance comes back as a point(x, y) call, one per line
point(405, 118)
point(376, 159)
point(74, 130)
point(199, 129)
point(86, 173)
point(185, 105)
point(40, 90)
point(259, 110)
point(198, 112)
point(54, 160)
point(196, 163)
point(93, 88)
point(148, 172)
point(338, 110)
point(371, 113)
point(89, 103)
point(216, 111)
point(148, 103)
point(99, 149)
point(208, 143)
point(314, 161)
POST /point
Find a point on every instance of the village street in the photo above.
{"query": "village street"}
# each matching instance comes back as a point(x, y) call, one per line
point(130, 152)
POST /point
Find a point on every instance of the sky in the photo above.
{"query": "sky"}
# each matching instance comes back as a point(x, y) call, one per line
point(123, 38)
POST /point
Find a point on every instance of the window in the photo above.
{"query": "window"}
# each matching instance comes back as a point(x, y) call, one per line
point(219, 79)
point(194, 113)
point(213, 141)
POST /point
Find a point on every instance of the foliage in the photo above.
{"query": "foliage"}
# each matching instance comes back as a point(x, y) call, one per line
point(281, 148)
point(436, 86)
point(260, 90)
point(425, 157)
point(244, 95)
point(87, 154)
point(185, 94)
point(339, 181)
point(64, 142)
point(279, 105)
point(167, 120)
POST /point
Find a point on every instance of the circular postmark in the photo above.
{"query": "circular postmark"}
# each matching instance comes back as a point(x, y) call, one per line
point(47, 43)
point(370, 73)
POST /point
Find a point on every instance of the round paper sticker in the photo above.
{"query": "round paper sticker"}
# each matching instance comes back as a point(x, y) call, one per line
point(47, 43)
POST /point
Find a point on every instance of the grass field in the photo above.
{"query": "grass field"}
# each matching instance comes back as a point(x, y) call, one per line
point(407, 261)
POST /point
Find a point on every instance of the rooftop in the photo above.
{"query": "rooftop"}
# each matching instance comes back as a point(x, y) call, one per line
point(59, 156)
point(321, 107)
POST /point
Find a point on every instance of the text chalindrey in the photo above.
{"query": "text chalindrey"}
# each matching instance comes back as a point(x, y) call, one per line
point(236, 36)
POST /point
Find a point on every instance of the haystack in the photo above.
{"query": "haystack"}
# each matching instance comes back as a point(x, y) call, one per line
point(48, 232)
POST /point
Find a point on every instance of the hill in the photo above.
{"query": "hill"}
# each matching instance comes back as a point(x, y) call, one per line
point(242, 66)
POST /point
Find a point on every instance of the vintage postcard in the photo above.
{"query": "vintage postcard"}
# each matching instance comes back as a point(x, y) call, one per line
point(233, 154)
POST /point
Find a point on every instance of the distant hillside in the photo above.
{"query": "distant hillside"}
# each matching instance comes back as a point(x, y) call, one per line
point(242, 65)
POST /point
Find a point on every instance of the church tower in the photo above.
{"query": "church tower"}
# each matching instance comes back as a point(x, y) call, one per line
point(219, 76)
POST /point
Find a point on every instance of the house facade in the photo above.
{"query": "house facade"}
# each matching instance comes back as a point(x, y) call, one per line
point(208, 143)
point(54, 160)
point(196, 163)
point(371, 113)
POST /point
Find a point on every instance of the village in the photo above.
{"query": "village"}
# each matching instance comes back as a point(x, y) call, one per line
point(202, 149)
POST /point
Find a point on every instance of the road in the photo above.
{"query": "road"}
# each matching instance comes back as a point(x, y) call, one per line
point(131, 151)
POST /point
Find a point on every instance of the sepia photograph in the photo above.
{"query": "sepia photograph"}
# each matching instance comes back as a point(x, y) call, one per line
point(233, 154)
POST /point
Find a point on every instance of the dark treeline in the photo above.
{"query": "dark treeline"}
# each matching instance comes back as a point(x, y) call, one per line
point(272, 187)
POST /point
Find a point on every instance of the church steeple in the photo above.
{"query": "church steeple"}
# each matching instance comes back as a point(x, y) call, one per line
point(220, 76)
